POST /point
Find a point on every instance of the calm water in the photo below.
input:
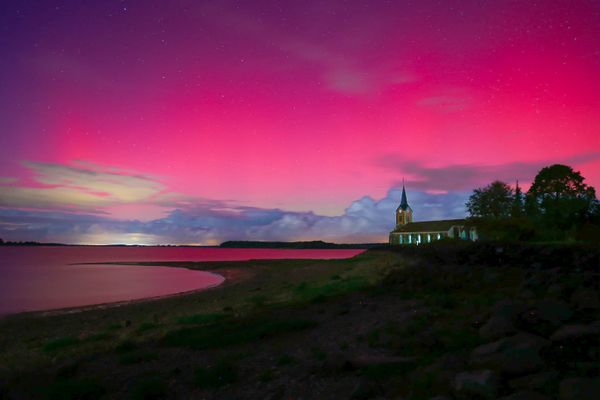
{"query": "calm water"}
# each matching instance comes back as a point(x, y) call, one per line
point(43, 278)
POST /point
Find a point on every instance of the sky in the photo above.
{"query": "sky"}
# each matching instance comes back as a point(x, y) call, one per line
point(195, 122)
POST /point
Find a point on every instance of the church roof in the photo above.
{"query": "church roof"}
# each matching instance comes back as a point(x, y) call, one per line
point(430, 226)
point(403, 202)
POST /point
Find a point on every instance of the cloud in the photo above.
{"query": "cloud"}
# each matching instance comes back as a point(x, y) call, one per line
point(84, 186)
point(466, 177)
point(211, 222)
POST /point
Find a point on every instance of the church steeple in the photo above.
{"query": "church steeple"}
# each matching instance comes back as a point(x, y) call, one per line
point(404, 202)
point(403, 212)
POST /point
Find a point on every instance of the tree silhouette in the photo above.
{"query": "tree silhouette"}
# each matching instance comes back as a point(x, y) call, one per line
point(560, 198)
point(517, 210)
point(493, 201)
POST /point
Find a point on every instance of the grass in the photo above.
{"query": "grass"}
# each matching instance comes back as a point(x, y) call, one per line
point(150, 388)
point(234, 332)
point(69, 389)
point(146, 326)
point(216, 376)
point(125, 346)
point(285, 359)
point(60, 343)
point(308, 292)
point(137, 356)
point(201, 319)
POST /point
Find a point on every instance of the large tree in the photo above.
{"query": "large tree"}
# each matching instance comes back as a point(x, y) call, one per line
point(494, 201)
point(560, 198)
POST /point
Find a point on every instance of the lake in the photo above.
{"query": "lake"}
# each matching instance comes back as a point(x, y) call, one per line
point(44, 278)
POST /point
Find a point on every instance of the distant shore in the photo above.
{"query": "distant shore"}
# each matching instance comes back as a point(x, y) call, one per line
point(237, 244)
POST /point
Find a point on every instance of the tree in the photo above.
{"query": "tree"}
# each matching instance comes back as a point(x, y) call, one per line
point(494, 201)
point(518, 203)
point(560, 198)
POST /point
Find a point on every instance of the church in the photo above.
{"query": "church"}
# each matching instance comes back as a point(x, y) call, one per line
point(409, 232)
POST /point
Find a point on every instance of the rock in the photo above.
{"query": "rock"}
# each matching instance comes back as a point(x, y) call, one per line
point(534, 381)
point(339, 362)
point(525, 395)
point(367, 360)
point(585, 298)
point(482, 383)
point(515, 355)
point(570, 332)
point(508, 308)
point(366, 389)
point(579, 389)
point(443, 369)
point(496, 327)
point(553, 311)
point(555, 290)
point(534, 281)
point(526, 294)
point(577, 343)
point(544, 317)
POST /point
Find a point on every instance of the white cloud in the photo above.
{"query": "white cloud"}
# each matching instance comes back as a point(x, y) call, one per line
point(211, 222)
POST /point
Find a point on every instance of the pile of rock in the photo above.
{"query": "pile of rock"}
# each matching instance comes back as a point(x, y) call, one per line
point(537, 349)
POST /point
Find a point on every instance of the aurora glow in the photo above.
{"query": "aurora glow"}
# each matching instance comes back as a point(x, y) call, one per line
point(197, 122)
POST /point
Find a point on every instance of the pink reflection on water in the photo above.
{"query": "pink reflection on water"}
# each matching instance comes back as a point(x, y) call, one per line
point(42, 278)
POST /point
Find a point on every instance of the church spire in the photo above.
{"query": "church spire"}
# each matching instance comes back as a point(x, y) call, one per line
point(403, 202)
point(403, 212)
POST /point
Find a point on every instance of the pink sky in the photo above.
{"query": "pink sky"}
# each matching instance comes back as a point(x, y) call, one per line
point(302, 108)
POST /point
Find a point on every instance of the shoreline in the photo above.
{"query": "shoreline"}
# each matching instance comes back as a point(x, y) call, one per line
point(232, 271)
point(230, 276)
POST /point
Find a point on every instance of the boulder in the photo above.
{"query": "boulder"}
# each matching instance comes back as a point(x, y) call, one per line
point(525, 395)
point(443, 370)
point(482, 383)
point(553, 311)
point(496, 327)
point(579, 389)
point(555, 290)
point(575, 331)
point(526, 294)
point(366, 389)
point(575, 343)
point(538, 380)
point(585, 298)
point(514, 355)
point(544, 317)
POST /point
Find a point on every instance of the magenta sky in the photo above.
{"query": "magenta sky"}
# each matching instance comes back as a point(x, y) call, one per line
point(196, 122)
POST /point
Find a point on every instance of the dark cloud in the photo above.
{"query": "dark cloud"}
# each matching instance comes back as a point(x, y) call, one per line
point(466, 177)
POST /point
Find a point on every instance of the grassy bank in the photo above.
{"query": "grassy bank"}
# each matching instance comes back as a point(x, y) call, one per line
point(403, 323)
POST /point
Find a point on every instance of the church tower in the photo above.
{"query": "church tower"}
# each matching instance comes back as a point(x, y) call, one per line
point(403, 212)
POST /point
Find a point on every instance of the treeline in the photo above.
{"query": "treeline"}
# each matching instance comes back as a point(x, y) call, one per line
point(28, 243)
point(315, 244)
point(558, 206)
